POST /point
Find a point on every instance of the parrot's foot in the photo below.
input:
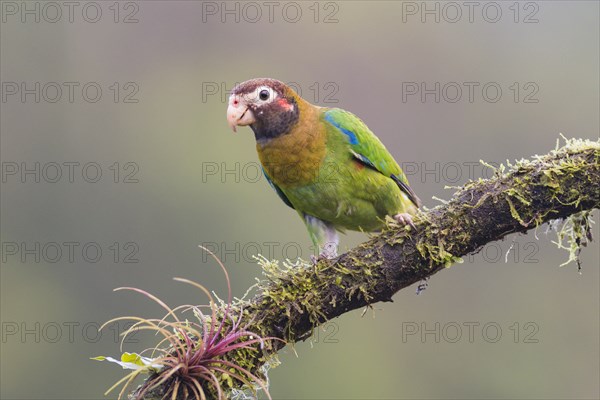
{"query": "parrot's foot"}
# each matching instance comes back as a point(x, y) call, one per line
point(328, 252)
point(404, 219)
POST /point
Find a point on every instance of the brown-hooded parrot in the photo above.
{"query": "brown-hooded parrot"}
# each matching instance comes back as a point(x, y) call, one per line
point(325, 163)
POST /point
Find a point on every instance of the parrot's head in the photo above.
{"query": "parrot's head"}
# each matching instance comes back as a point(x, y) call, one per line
point(268, 106)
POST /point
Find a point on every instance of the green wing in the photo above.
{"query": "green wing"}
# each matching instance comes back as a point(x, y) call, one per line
point(368, 149)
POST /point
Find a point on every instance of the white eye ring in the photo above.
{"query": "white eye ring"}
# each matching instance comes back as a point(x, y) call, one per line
point(259, 94)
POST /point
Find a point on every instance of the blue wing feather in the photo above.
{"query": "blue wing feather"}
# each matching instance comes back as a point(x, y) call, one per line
point(351, 135)
point(368, 149)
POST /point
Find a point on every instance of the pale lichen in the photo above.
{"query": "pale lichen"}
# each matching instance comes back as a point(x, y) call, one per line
point(572, 234)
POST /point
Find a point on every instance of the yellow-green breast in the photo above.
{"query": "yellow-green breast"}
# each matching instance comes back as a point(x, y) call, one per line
point(294, 159)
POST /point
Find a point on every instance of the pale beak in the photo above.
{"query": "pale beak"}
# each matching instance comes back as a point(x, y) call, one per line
point(238, 113)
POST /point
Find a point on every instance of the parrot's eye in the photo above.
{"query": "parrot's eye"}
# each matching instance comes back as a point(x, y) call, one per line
point(263, 95)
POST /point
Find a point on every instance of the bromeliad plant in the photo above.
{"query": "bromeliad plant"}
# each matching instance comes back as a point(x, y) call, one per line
point(191, 360)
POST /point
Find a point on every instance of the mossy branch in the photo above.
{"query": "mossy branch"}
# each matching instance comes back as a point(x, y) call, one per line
point(293, 301)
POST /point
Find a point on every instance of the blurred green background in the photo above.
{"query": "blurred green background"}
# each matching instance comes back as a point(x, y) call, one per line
point(197, 183)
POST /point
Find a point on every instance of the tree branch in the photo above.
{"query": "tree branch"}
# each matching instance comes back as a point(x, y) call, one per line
point(519, 197)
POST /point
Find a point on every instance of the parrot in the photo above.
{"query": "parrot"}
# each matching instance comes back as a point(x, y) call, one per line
point(325, 163)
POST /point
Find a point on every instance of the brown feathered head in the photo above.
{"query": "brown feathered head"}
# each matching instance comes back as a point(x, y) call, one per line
point(267, 105)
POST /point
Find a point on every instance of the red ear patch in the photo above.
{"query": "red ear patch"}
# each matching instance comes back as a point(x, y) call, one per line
point(283, 103)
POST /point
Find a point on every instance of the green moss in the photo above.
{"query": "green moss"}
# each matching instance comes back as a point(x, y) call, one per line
point(436, 253)
point(292, 289)
point(296, 289)
point(575, 231)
